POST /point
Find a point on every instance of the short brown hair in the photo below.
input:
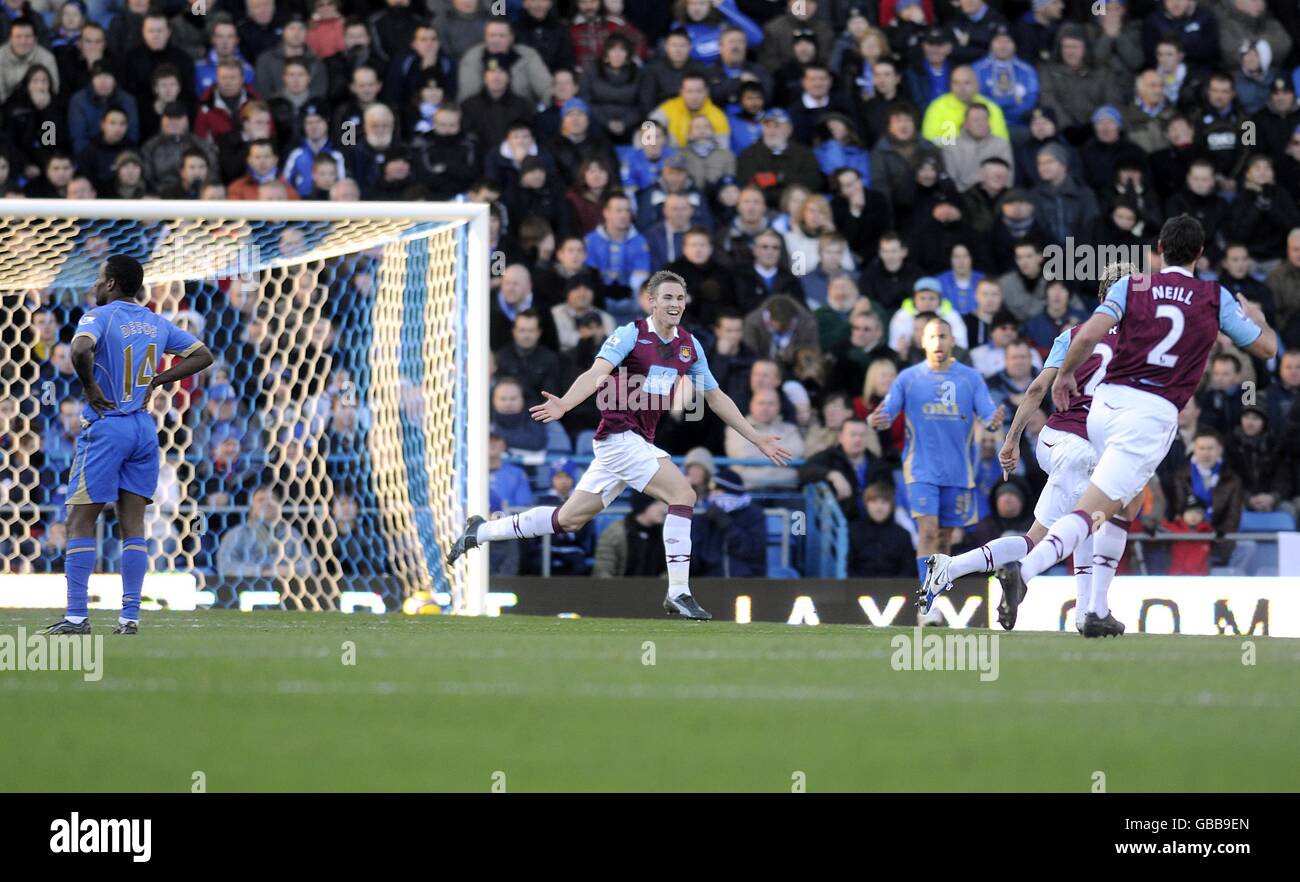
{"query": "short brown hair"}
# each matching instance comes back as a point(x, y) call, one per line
point(661, 278)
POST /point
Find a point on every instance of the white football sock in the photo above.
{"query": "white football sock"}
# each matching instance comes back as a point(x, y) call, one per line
point(528, 524)
point(677, 548)
point(1082, 578)
point(1107, 549)
point(989, 556)
point(1062, 539)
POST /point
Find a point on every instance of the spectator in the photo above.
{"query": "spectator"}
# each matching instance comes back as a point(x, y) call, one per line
point(505, 479)
point(1008, 386)
point(860, 214)
point(674, 178)
point(594, 23)
point(1060, 202)
point(263, 165)
point(711, 285)
point(223, 102)
point(97, 159)
point(779, 327)
point(729, 537)
point(890, 278)
point(314, 145)
point(990, 357)
point(1011, 514)
point(293, 44)
point(1263, 214)
point(87, 108)
point(926, 298)
point(540, 28)
point(524, 436)
point(1189, 558)
point(733, 70)
point(865, 345)
point(20, 53)
point(847, 468)
point(266, 545)
point(514, 297)
point(1058, 314)
point(1253, 456)
point(765, 416)
point(947, 114)
point(156, 50)
point(491, 110)
point(619, 253)
point(1221, 401)
point(612, 87)
point(570, 552)
point(1072, 84)
point(529, 77)
point(896, 158)
point(1007, 81)
point(1284, 282)
point(534, 365)
point(460, 24)
point(634, 545)
point(1210, 479)
point(775, 161)
point(577, 143)
point(779, 34)
point(1285, 391)
point(974, 146)
point(223, 37)
point(60, 440)
point(164, 153)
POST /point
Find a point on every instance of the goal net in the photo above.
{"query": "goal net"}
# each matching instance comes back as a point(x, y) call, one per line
point(332, 451)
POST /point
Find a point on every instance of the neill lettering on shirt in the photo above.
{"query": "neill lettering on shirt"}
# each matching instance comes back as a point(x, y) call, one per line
point(1171, 292)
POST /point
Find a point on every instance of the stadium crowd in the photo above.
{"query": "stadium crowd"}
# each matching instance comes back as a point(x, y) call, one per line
point(826, 175)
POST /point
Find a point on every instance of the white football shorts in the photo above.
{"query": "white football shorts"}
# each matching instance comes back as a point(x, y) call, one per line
point(1131, 431)
point(1069, 462)
point(622, 460)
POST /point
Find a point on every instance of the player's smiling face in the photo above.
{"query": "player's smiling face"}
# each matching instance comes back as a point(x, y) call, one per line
point(668, 305)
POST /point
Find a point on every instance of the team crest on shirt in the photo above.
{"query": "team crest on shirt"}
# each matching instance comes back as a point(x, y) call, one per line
point(685, 354)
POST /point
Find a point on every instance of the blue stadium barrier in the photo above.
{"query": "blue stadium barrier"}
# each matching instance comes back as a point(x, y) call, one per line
point(557, 440)
point(826, 545)
point(1266, 522)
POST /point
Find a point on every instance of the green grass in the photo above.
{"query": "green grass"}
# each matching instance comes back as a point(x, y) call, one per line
point(262, 701)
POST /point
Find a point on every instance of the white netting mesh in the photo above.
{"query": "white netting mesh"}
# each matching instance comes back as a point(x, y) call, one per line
point(324, 452)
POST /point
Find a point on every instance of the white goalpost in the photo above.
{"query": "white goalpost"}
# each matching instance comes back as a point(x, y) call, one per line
point(352, 371)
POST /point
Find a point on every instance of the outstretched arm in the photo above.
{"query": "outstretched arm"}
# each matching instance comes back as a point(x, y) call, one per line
point(727, 411)
point(553, 408)
point(1010, 453)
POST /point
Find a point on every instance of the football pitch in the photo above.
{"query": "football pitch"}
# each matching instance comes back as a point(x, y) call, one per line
point(267, 701)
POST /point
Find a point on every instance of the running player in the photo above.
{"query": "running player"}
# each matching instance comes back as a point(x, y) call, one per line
point(941, 399)
point(1064, 452)
point(1168, 323)
point(651, 355)
point(115, 352)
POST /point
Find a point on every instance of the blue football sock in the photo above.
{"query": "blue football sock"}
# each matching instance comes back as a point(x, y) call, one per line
point(921, 568)
point(135, 561)
point(78, 564)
